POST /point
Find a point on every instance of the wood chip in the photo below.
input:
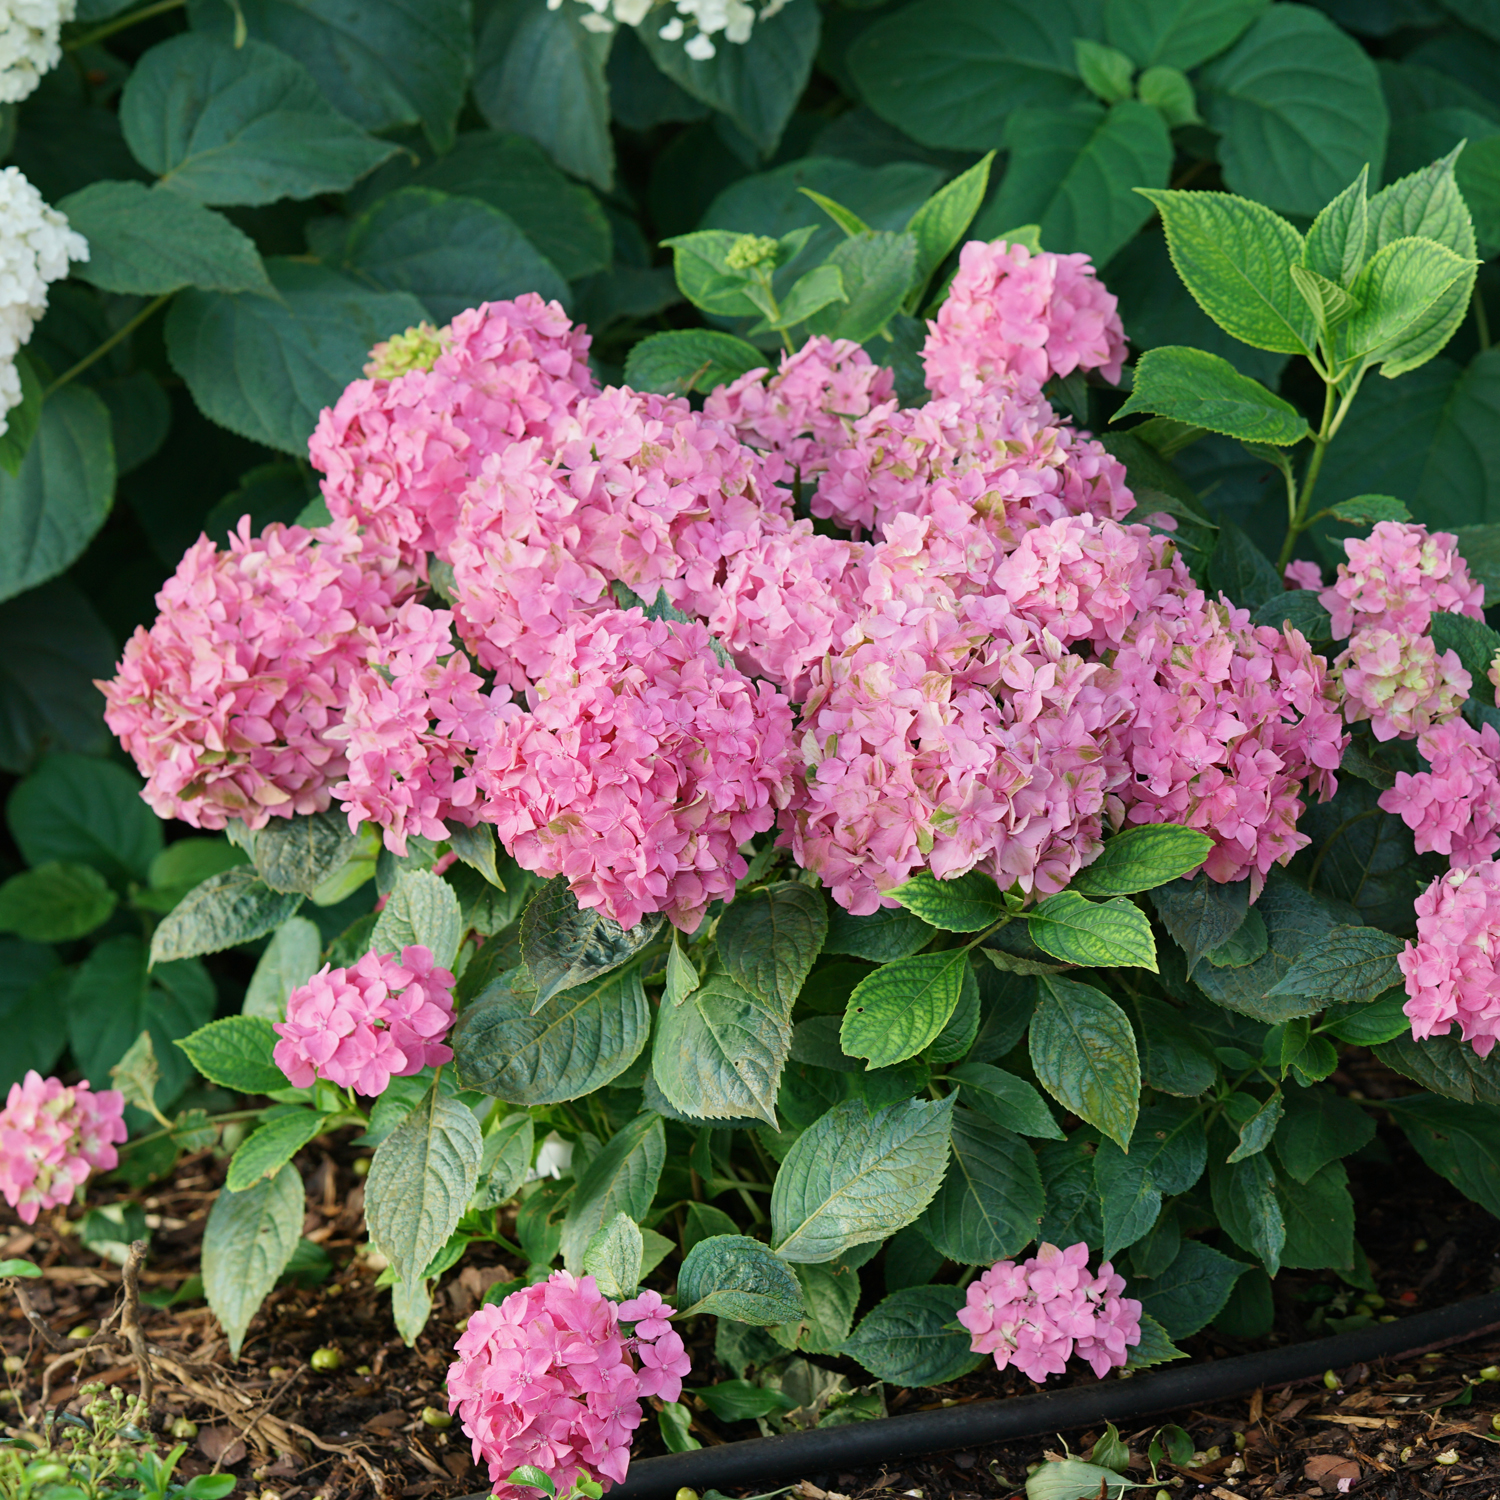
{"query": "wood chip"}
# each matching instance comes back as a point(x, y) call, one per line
point(1344, 1421)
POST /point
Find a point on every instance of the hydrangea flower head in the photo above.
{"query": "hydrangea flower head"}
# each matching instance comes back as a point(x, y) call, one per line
point(1038, 1314)
point(1397, 680)
point(1452, 971)
point(1397, 578)
point(416, 349)
point(1453, 807)
point(35, 241)
point(641, 768)
point(228, 704)
point(1012, 313)
point(29, 45)
point(52, 1137)
point(546, 1378)
point(397, 452)
point(1302, 573)
point(360, 1027)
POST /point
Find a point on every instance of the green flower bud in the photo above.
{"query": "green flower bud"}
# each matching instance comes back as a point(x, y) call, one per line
point(749, 251)
point(416, 349)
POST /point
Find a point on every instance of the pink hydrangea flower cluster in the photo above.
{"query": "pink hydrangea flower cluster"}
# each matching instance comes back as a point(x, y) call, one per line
point(230, 702)
point(360, 1027)
point(641, 767)
point(1303, 574)
point(1399, 682)
point(398, 453)
point(416, 715)
point(546, 1378)
point(635, 489)
point(1452, 971)
point(1038, 1314)
point(52, 1137)
point(1012, 313)
point(1453, 807)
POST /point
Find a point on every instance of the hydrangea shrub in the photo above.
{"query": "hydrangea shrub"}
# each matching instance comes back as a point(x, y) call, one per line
point(817, 811)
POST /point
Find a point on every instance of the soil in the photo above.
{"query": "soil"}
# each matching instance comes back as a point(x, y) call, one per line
point(1399, 1429)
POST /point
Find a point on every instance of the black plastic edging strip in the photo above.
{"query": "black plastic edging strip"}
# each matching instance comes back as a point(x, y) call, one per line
point(761, 1462)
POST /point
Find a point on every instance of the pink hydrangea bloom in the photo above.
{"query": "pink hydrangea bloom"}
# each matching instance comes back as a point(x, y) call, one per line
point(362, 1026)
point(398, 453)
point(641, 768)
point(1452, 971)
point(1453, 807)
point(1301, 573)
point(638, 489)
point(808, 407)
point(228, 702)
point(52, 1137)
point(546, 1378)
point(1038, 1314)
point(416, 715)
point(1397, 680)
point(1230, 723)
point(1397, 578)
point(1010, 313)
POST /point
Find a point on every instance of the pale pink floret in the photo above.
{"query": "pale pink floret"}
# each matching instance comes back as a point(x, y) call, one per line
point(1452, 971)
point(228, 702)
point(1301, 573)
point(1397, 578)
point(416, 716)
point(1453, 807)
point(398, 454)
point(52, 1137)
point(362, 1026)
point(1397, 680)
point(546, 1378)
point(641, 768)
point(1038, 1314)
point(1010, 312)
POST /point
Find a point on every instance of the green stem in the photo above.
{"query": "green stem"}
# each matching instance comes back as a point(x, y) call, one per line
point(119, 334)
point(161, 7)
point(1297, 521)
point(224, 1119)
point(1481, 321)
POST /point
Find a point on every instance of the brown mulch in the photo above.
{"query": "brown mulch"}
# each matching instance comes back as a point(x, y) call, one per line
point(1390, 1431)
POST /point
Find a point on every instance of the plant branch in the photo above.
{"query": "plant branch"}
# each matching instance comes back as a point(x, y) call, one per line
point(119, 334)
point(130, 1320)
point(120, 23)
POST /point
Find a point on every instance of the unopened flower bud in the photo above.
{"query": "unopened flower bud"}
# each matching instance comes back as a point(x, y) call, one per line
point(326, 1359)
point(182, 1428)
point(433, 1417)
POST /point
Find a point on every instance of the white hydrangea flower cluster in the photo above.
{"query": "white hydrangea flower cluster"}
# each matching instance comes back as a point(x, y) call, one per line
point(733, 19)
point(35, 248)
point(28, 43)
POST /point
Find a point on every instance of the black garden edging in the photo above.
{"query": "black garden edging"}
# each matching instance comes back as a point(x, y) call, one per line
point(775, 1460)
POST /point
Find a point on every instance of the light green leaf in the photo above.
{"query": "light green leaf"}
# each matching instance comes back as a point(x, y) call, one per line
point(55, 902)
point(226, 910)
point(809, 295)
point(421, 911)
point(1006, 1099)
point(236, 1054)
point(247, 1243)
point(1335, 246)
point(613, 1257)
point(53, 505)
point(884, 935)
point(854, 1176)
point(991, 1200)
point(939, 225)
point(1205, 391)
point(949, 72)
point(266, 1150)
point(622, 1178)
point(876, 270)
point(1177, 33)
point(719, 1055)
point(291, 959)
point(682, 977)
point(911, 1338)
point(899, 1009)
point(1141, 858)
point(383, 64)
point(147, 242)
point(966, 903)
point(245, 125)
point(1106, 71)
point(449, 253)
point(1235, 257)
point(1155, 1348)
point(565, 945)
point(1074, 172)
point(1170, 94)
point(137, 1075)
point(1393, 296)
point(735, 1277)
point(508, 1150)
point(411, 1307)
point(689, 359)
point(265, 367)
point(829, 1296)
point(301, 853)
point(1299, 107)
point(770, 938)
point(847, 220)
point(1084, 1054)
point(1105, 934)
point(421, 1179)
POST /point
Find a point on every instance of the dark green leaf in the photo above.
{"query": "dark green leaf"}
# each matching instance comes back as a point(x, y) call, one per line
point(1205, 391)
point(900, 1008)
point(55, 902)
point(1169, 1141)
point(1177, 33)
point(88, 811)
point(1476, 644)
point(1366, 510)
point(939, 225)
point(1188, 1295)
point(239, 125)
point(1459, 1142)
point(21, 420)
point(506, 1161)
point(1445, 1065)
point(1297, 609)
point(1154, 1348)
point(735, 1277)
point(991, 1200)
point(236, 1053)
point(1255, 1119)
point(1201, 914)
point(1320, 1126)
point(1141, 858)
point(622, 1178)
point(769, 939)
point(911, 1338)
point(224, 911)
point(1240, 569)
point(689, 359)
point(1245, 1200)
point(1106, 934)
point(1319, 1217)
point(566, 945)
point(265, 1151)
point(740, 1401)
point(1067, 1169)
point(1366, 1025)
point(1084, 1054)
point(966, 903)
point(265, 367)
point(300, 853)
point(1247, 945)
point(249, 1239)
point(1349, 964)
point(1175, 1058)
point(31, 983)
point(1006, 1099)
point(1129, 1198)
